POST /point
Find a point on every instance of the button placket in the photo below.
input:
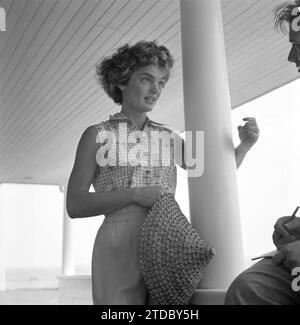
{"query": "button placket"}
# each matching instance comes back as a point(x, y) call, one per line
point(147, 176)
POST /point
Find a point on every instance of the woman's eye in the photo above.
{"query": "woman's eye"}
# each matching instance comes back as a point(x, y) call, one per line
point(162, 84)
point(145, 80)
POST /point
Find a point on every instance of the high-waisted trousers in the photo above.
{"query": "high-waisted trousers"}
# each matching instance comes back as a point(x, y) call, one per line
point(116, 274)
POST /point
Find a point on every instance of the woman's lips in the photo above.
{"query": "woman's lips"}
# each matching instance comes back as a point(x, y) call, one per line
point(150, 100)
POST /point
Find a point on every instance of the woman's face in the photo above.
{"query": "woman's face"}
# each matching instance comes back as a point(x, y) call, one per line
point(143, 89)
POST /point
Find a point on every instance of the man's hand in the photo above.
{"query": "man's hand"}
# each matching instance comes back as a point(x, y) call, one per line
point(249, 133)
point(293, 227)
point(286, 231)
point(288, 255)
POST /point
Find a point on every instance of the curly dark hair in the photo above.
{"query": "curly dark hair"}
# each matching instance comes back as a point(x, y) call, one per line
point(118, 68)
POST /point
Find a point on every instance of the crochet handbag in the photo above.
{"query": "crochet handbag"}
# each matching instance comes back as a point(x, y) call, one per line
point(172, 253)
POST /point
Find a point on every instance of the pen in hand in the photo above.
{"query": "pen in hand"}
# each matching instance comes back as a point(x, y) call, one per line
point(272, 253)
point(293, 216)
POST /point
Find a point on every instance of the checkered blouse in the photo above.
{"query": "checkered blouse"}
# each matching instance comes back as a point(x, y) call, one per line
point(109, 177)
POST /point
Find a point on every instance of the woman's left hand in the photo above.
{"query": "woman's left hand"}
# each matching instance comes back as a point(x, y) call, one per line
point(249, 133)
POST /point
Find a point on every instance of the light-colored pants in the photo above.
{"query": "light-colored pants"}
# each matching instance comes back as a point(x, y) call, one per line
point(116, 275)
point(264, 283)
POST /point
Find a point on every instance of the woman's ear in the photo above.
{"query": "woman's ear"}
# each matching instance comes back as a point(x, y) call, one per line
point(122, 88)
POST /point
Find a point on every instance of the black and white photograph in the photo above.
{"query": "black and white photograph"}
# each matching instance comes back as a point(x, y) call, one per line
point(149, 154)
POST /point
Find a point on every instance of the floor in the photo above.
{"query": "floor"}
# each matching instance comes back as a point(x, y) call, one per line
point(29, 297)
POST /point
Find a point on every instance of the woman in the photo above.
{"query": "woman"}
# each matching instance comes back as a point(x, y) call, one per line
point(133, 77)
point(126, 187)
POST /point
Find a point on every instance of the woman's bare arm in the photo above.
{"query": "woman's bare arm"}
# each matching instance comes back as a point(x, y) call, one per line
point(80, 202)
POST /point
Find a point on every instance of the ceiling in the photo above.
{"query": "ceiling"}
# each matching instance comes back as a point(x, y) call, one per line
point(48, 90)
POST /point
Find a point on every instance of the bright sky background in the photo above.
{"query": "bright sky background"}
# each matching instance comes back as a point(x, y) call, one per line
point(269, 177)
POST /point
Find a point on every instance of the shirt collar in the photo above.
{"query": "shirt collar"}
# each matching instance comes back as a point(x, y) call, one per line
point(121, 117)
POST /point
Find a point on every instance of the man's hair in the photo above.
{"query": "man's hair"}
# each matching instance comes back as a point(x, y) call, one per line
point(118, 68)
point(283, 14)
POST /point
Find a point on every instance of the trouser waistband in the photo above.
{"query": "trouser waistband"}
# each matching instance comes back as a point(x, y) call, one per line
point(128, 211)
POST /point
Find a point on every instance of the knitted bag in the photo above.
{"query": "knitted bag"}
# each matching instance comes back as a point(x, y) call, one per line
point(172, 253)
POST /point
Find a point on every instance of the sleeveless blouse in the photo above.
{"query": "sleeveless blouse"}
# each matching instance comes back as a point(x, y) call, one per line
point(128, 157)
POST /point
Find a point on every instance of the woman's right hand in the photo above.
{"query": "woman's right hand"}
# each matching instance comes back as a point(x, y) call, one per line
point(147, 196)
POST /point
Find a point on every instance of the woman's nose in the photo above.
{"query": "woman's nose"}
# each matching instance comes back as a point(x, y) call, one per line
point(154, 88)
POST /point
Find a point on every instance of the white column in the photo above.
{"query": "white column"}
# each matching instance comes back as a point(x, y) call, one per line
point(68, 249)
point(213, 196)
